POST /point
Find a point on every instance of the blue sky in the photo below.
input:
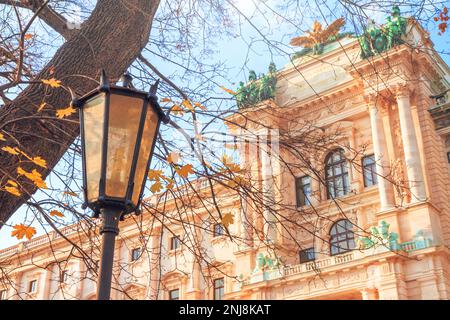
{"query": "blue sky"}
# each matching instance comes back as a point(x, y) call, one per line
point(235, 53)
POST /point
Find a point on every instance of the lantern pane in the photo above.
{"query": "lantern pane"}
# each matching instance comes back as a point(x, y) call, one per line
point(148, 138)
point(124, 119)
point(93, 118)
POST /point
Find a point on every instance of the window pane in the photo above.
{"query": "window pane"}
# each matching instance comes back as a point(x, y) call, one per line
point(307, 255)
point(124, 118)
point(174, 294)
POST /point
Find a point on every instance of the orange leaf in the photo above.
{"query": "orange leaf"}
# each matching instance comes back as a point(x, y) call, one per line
point(70, 193)
point(184, 171)
point(2, 137)
point(34, 176)
point(56, 213)
point(166, 100)
point(177, 110)
point(21, 230)
point(188, 105)
point(28, 36)
point(228, 90)
point(155, 175)
point(199, 105)
point(52, 82)
point(62, 113)
point(227, 219)
point(156, 187)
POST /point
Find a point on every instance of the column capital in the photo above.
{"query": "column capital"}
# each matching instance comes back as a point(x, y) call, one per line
point(402, 90)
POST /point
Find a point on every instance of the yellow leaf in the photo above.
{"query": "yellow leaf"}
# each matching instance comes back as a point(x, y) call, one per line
point(169, 186)
point(187, 104)
point(227, 219)
point(173, 157)
point(228, 90)
point(21, 230)
point(52, 82)
point(177, 110)
point(156, 187)
point(40, 162)
point(199, 105)
point(10, 150)
point(13, 183)
point(41, 106)
point(184, 171)
point(62, 113)
point(34, 176)
point(28, 36)
point(2, 137)
point(13, 190)
point(166, 100)
point(56, 213)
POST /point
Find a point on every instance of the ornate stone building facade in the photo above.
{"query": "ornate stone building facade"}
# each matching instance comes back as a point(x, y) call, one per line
point(380, 104)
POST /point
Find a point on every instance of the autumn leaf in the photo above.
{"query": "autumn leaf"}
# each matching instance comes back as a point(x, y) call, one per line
point(228, 90)
point(28, 36)
point(70, 193)
point(155, 175)
point(34, 176)
point(227, 219)
point(177, 110)
point(188, 105)
point(169, 186)
point(62, 113)
point(21, 230)
point(56, 213)
point(184, 171)
point(200, 106)
point(52, 82)
point(156, 187)
point(166, 100)
point(2, 137)
point(40, 162)
point(13, 190)
point(13, 183)
point(173, 157)
point(41, 106)
point(10, 150)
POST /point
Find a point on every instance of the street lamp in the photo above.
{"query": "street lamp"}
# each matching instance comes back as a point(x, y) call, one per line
point(119, 125)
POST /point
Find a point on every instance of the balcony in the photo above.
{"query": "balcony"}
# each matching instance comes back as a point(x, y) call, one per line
point(440, 112)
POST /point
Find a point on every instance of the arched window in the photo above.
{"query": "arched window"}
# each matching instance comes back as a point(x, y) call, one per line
point(336, 167)
point(342, 238)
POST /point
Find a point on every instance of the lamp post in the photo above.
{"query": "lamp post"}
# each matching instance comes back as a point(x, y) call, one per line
point(118, 126)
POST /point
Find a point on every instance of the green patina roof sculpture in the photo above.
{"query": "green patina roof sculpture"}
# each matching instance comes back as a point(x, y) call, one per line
point(257, 89)
point(379, 39)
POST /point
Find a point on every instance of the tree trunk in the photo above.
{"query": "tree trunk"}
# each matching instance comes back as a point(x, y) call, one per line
point(111, 39)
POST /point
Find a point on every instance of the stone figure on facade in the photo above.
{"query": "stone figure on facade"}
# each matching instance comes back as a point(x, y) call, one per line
point(379, 236)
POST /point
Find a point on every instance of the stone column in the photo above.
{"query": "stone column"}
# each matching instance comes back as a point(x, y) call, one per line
point(369, 294)
point(155, 263)
point(381, 155)
point(410, 146)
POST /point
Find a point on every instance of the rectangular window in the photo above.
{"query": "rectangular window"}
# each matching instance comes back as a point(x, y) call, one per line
point(64, 276)
point(303, 190)
point(135, 254)
point(219, 286)
point(32, 286)
point(3, 294)
point(218, 230)
point(369, 171)
point(175, 243)
point(174, 294)
point(448, 157)
point(307, 255)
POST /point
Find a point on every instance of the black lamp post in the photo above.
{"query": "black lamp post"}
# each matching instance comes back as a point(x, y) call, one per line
point(119, 126)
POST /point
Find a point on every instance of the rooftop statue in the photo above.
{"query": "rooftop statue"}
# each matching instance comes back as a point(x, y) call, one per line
point(318, 36)
point(379, 39)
